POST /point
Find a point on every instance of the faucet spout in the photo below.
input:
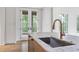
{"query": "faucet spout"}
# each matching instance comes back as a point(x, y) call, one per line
point(60, 27)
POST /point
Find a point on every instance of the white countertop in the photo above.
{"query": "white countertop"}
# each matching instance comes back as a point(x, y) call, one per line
point(36, 36)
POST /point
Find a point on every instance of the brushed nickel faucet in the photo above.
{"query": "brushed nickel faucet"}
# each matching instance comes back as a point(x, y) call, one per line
point(61, 33)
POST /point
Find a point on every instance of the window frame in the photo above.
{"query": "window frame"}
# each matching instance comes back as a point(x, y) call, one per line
point(38, 10)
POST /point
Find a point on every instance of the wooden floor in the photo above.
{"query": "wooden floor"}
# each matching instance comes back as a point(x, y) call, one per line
point(14, 47)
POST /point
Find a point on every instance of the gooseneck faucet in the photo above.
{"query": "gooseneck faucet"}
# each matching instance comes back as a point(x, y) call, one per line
point(60, 27)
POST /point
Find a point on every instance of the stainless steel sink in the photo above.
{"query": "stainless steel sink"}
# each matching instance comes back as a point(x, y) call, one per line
point(54, 42)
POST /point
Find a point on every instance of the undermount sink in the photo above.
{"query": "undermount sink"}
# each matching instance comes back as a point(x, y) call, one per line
point(54, 42)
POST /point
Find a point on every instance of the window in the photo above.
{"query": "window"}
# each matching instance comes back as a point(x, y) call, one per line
point(34, 21)
point(64, 19)
point(29, 22)
point(65, 24)
point(24, 21)
point(78, 24)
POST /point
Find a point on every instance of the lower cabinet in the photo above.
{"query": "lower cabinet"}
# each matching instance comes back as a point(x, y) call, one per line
point(33, 46)
point(30, 46)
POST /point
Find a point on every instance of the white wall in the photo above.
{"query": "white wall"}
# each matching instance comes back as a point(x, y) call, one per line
point(10, 25)
point(7, 25)
point(2, 25)
point(18, 24)
point(72, 12)
point(46, 19)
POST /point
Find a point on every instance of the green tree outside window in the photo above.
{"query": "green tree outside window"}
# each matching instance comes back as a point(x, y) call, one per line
point(25, 23)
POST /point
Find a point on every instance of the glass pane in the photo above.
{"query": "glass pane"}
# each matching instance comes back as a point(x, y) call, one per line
point(24, 21)
point(78, 24)
point(64, 19)
point(34, 21)
point(65, 24)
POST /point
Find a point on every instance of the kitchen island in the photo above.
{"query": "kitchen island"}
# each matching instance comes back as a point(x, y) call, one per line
point(37, 45)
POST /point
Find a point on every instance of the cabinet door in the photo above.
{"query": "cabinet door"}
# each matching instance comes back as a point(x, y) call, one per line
point(30, 46)
point(33, 46)
point(37, 47)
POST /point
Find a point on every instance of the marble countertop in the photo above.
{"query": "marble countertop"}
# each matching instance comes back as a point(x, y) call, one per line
point(36, 36)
